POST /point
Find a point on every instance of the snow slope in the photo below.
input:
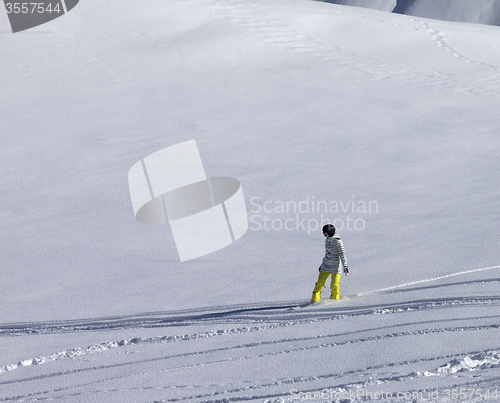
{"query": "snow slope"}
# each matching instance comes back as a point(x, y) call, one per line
point(290, 98)
point(477, 11)
point(382, 5)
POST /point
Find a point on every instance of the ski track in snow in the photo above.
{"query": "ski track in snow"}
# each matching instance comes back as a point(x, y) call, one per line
point(246, 313)
point(267, 317)
point(262, 318)
point(276, 313)
point(469, 362)
point(456, 363)
point(461, 273)
point(274, 30)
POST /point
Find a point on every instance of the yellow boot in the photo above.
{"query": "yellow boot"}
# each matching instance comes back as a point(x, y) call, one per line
point(316, 296)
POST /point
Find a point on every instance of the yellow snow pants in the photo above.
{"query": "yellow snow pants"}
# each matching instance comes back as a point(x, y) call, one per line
point(321, 282)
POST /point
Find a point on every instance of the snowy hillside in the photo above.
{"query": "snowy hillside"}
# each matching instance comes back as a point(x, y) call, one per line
point(476, 11)
point(389, 120)
point(382, 5)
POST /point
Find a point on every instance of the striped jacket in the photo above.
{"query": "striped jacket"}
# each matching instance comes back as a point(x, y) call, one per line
point(335, 254)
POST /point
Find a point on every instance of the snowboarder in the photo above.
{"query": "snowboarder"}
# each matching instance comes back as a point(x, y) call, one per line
point(332, 264)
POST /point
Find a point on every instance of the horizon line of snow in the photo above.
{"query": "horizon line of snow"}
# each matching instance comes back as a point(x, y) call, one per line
point(428, 280)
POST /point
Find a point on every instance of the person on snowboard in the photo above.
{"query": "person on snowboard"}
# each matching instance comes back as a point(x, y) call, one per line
point(332, 264)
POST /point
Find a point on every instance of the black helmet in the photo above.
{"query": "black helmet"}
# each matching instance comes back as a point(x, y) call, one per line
point(329, 230)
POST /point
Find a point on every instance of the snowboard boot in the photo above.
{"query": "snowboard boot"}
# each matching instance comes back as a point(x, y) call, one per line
point(316, 296)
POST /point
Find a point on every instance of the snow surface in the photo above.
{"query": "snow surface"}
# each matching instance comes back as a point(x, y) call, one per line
point(301, 101)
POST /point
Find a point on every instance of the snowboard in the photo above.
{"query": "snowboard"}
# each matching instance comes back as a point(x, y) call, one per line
point(323, 301)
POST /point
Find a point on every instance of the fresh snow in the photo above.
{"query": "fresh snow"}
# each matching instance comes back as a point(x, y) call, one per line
point(390, 118)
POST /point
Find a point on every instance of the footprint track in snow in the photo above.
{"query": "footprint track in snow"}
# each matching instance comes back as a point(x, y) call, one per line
point(439, 39)
point(274, 30)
